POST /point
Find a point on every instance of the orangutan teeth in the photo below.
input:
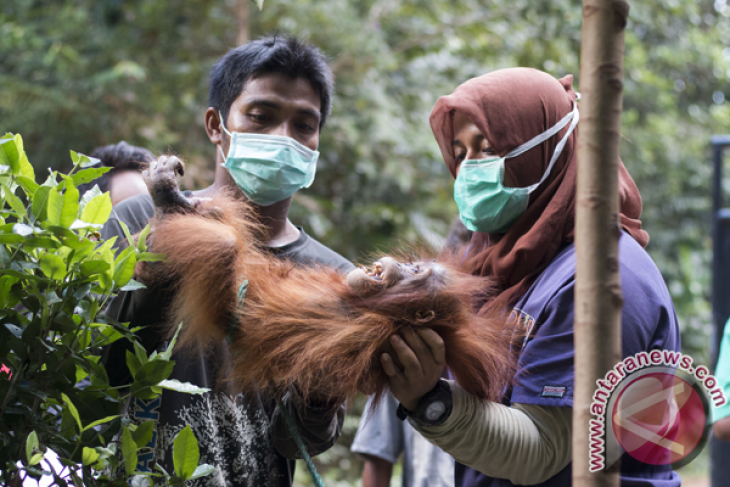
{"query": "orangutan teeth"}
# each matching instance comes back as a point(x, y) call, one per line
point(377, 273)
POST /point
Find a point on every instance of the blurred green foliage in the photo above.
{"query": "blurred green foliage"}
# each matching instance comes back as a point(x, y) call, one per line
point(82, 73)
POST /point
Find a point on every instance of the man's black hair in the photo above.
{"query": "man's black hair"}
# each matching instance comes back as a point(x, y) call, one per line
point(279, 54)
point(120, 157)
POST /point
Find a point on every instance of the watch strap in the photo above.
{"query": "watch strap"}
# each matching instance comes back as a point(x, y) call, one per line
point(440, 393)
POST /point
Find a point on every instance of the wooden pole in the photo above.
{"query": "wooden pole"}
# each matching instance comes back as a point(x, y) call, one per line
point(598, 298)
point(242, 16)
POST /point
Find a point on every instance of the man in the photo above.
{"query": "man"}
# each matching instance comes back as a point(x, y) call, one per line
point(125, 178)
point(280, 90)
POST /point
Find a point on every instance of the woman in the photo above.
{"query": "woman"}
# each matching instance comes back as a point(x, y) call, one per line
point(509, 139)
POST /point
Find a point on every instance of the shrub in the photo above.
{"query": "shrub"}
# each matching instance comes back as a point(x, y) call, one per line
point(56, 277)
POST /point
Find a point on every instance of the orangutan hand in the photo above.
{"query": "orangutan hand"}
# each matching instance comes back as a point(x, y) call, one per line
point(423, 356)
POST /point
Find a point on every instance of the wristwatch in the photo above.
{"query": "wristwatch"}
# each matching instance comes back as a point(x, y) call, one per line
point(433, 409)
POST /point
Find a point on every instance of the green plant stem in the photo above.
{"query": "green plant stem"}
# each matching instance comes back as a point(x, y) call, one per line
point(10, 391)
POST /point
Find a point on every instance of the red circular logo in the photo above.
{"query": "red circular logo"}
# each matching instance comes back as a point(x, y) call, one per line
point(659, 418)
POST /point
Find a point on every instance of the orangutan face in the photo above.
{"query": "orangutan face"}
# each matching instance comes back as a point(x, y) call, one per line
point(388, 272)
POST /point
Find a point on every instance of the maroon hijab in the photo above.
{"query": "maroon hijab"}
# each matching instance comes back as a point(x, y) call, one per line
point(510, 107)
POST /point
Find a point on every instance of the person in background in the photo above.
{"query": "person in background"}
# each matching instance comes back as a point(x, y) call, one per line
point(721, 415)
point(382, 438)
point(125, 178)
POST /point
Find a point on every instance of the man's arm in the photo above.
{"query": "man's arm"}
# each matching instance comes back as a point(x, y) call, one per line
point(379, 440)
point(376, 472)
point(319, 425)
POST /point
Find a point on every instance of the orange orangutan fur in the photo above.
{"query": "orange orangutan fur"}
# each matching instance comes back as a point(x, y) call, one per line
point(305, 326)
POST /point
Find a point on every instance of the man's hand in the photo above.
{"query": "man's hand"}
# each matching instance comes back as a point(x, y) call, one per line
point(423, 356)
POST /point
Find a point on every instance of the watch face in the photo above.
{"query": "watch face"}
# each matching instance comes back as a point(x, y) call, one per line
point(435, 410)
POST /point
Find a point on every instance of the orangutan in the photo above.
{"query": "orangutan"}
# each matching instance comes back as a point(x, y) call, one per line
point(311, 328)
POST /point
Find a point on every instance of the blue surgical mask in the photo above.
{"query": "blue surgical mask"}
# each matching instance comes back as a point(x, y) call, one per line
point(269, 168)
point(485, 203)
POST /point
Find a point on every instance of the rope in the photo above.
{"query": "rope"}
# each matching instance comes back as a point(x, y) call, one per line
point(241, 300)
point(318, 482)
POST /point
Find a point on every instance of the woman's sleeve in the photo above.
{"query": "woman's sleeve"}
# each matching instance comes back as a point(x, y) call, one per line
point(525, 444)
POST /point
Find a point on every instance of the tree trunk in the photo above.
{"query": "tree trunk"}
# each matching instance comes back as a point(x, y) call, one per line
point(598, 298)
point(242, 16)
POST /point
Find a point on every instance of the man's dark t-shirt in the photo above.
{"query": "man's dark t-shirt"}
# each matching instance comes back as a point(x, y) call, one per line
point(244, 437)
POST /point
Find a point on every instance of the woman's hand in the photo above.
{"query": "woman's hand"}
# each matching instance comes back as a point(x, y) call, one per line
point(423, 356)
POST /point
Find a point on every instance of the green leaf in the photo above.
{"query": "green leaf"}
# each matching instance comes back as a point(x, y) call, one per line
point(89, 456)
point(143, 434)
point(70, 204)
point(154, 371)
point(74, 412)
point(129, 451)
point(51, 180)
point(14, 201)
point(4, 162)
point(18, 143)
point(93, 267)
point(186, 387)
point(87, 161)
point(59, 231)
point(87, 175)
point(260, 4)
point(132, 285)
point(31, 444)
point(140, 353)
point(124, 266)
point(28, 185)
point(142, 239)
point(12, 152)
point(144, 392)
point(55, 207)
point(41, 242)
point(75, 158)
point(98, 209)
point(26, 169)
point(53, 266)
point(100, 421)
point(168, 351)
point(127, 235)
point(185, 453)
point(82, 248)
point(40, 202)
point(150, 257)
point(10, 239)
point(35, 459)
point(133, 363)
point(88, 196)
point(203, 470)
